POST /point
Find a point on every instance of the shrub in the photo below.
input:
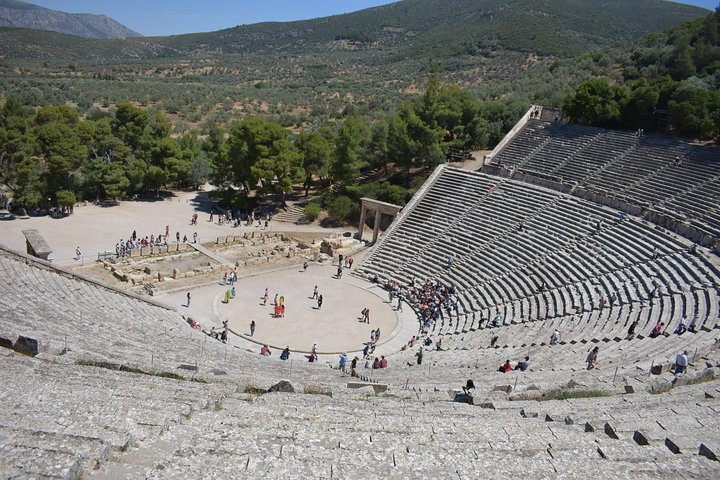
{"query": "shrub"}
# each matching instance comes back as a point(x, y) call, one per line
point(312, 211)
point(341, 208)
point(65, 198)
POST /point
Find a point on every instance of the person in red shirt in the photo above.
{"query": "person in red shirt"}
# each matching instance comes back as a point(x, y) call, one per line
point(506, 367)
point(383, 362)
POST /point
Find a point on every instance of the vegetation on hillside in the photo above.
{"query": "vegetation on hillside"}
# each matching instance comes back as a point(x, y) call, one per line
point(670, 79)
point(50, 156)
point(311, 71)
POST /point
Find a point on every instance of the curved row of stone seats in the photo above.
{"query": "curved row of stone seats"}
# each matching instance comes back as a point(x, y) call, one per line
point(79, 318)
point(399, 436)
point(59, 420)
point(583, 254)
point(642, 170)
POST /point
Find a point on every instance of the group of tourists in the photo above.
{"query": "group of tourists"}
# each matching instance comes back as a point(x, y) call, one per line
point(432, 300)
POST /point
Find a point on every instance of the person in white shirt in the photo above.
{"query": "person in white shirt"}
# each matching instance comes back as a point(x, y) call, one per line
point(681, 362)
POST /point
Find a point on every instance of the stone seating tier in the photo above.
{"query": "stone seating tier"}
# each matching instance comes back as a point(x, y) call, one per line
point(640, 170)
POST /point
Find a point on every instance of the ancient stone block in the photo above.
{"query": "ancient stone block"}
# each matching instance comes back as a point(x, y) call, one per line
point(502, 388)
point(588, 427)
point(629, 389)
point(377, 387)
point(610, 431)
point(640, 438)
point(672, 447)
point(6, 343)
point(707, 453)
point(317, 390)
point(282, 386)
point(27, 346)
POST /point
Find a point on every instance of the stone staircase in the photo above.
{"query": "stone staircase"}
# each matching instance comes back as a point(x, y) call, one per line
point(293, 214)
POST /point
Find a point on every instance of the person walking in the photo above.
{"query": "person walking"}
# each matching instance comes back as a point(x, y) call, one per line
point(592, 358)
point(188, 300)
point(343, 361)
point(353, 366)
point(252, 328)
point(315, 292)
point(78, 253)
point(319, 302)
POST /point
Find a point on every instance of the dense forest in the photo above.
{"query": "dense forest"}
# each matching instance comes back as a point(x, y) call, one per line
point(55, 156)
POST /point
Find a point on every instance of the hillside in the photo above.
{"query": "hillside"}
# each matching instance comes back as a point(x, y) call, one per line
point(17, 14)
point(425, 28)
point(514, 51)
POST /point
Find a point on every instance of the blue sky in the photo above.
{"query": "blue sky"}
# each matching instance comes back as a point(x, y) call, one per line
point(167, 17)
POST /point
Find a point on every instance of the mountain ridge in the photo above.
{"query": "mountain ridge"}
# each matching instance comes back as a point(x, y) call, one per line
point(19, 14)
point(412, 27)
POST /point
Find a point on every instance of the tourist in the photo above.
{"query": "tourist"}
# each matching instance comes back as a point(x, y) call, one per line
point(419, 356)
point(227, 297)
point(195, 237)
point(319, 302)
point(383, 362)
point(339, 271)
point(232, 292)
point(592, 358)
point(285, 354)
point(631, 330)
point(350, 262)
point(657, 329)
point(188, 299)
point(555, 337)
point(315, 292)
point(505, 367)
point(438, 345)
point(467, 395)
point(353, 367)
point(265, 351)
point(265, 296)
point(252, 328)
point(305, 266)
point(313, 350)
point(369, 363)
point(366, 350)
point(523, 365)
point(78, 254)
point(682, 326)
point(376, 363)
point(693, 324)
point(681, 362)
point(343, 361)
